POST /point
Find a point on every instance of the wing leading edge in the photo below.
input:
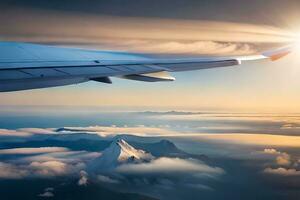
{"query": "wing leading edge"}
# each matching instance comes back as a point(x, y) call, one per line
point(29, 66)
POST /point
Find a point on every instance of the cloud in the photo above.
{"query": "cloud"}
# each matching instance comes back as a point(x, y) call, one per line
point(190, 47)
point(25, 132)
point(165, 174)
point(169, 166)
point(254, 139)
point(291, 124)
point(10, 171)
point(138, 34)
point(49, 168)
point(199, 187)
point(37, 130)
point(83, 180)
point(107, 179)
point(144, 131)
point(105, 131)
point(286, 165)
point(65, 156)
point(283, 159)
point(282, 171)
point(247, 139)
point(50, 163)
point(46, 165)
point(39, 150)
point(48, 192)
point(54, 168)
point(271, 151)
point(16, 133)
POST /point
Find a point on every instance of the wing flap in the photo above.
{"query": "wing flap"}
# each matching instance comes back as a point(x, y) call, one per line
point(102, 80)
point(150, 77)
point(190, 65)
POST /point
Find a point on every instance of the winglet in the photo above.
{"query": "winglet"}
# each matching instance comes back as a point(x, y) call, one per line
point(278, 53)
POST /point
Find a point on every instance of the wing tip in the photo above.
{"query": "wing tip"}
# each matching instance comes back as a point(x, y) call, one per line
point(277, 54)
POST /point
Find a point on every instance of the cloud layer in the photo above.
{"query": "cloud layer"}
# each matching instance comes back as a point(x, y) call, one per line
point(138, 34)
point(282, 171)
point(170, 166)
point(39, 150)
point(284, 164)
point(50, 162)
point(252, 139)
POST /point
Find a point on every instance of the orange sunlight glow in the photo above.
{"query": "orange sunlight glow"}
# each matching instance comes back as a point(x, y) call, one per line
point(249, 139)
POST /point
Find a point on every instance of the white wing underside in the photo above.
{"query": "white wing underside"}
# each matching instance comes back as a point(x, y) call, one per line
point(29, 66)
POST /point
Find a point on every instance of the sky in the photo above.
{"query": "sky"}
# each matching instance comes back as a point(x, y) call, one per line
point(220, 133)
point(176, 28)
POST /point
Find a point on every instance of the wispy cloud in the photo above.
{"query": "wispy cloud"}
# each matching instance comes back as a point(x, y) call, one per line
point(33, 150)
point(283, 159)
point(282, 171)
point(37, 130)
point(25, 132)
point(170, 165)
point(284, 164)
point(105, 131)
point(107, 179)
point(45, 169)
point(10, 171)
point(50, 162)
point(248, 139)
point(12, 133)
point(256, 139)
point(49, 168)
point(48, 192)
point(83, 180)
point(138, 34)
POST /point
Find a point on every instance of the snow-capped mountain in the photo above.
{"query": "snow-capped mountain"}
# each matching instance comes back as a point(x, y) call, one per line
point(119, 152)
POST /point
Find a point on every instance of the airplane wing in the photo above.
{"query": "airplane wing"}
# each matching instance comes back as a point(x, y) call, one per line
point(29, 66)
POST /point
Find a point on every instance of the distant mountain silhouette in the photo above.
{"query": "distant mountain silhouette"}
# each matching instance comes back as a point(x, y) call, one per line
point(86, 142)
point(165, 148)
point(172, 112)
point(161, 148)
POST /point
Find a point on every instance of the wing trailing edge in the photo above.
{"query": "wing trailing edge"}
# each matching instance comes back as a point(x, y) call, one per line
point(150, 77)
point(29, 66)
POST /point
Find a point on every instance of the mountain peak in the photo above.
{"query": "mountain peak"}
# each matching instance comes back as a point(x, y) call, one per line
point(122, 143)
point(126, 151)
point(120, 152)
